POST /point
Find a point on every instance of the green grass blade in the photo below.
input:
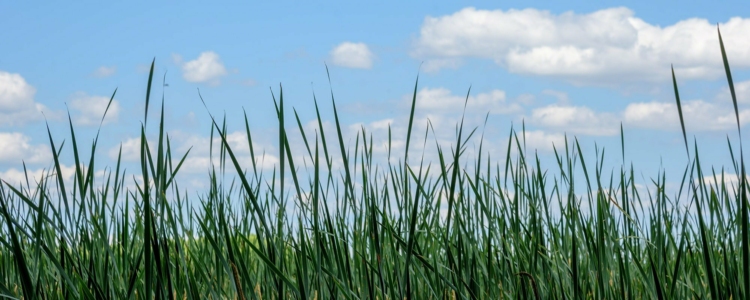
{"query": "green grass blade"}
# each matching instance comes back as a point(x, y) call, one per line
point(18, 253)
point(679, 111)
point(148, 91)
point(745, 231)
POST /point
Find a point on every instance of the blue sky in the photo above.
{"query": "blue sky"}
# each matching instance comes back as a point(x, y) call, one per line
point(576, 68)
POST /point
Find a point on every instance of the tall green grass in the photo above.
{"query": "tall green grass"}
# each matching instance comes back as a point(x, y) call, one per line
point(458, 229)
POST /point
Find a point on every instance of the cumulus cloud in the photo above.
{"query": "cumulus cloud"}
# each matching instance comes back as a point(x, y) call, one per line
point(352, 55)
point(15, 176)
point(699, 115)
point(540, 140)
point(90, 109)
point(195, 164)
point(731, 180)
point(17, 105)
point(575, 119)
point(608, 46)
point(207, 68)
point(741, 89)
point(443, 100)
point(16, 147)
point(131, 150)
point(199, 159)
point(104, 71)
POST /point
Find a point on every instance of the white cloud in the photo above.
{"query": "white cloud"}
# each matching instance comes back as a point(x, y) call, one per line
point(15, 147)
point(131, 147)
point(15, 93)
point(381, 124)
point(443, 100)
point(575, 119)
point(131, 150)
point(17, 104)
point(540, 140)
point(237, 141)
point(15, 176)
point(698, 115)
point(104, 71)
point(91, 109)
point(207, 68)
point(352, 55)
point(729, 179)
point(741, 90)
point(195, 164)
point(199, 160)
point(608, 46)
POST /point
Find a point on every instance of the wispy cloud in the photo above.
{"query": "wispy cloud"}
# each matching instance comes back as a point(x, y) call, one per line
point(104, 71)
point(249, 82)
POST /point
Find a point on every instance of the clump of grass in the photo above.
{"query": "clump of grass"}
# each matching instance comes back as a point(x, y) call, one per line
point(381, 237)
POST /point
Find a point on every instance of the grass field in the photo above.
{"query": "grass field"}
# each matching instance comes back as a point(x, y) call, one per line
point(404, 230)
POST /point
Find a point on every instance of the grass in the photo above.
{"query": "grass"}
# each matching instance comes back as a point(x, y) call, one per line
point(402, 230)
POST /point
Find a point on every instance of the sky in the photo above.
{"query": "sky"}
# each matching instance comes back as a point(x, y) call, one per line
point(561, 69)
